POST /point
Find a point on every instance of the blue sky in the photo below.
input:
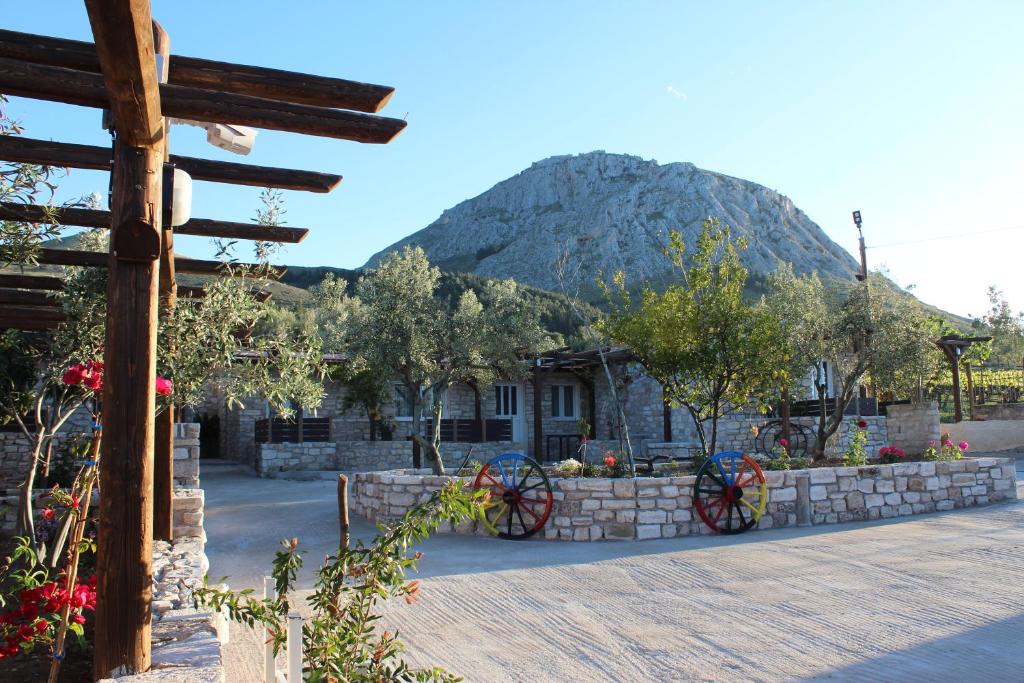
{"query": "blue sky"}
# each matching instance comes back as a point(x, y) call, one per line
point(910, 112)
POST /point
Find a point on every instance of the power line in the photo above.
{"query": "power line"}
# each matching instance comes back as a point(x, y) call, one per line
point(944, 237)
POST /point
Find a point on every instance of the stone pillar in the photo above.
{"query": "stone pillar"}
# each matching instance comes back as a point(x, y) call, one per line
point(911, 426)
point(186, 454)
point(803, 499)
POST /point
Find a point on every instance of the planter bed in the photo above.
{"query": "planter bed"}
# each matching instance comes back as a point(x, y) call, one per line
point(591, 509)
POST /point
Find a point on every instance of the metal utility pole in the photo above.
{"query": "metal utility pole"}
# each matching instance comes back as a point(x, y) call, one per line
point(863, 277)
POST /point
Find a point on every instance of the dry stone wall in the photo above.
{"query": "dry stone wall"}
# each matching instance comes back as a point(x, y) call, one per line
point(913, 425)
point(647, 508)
point(363, 456)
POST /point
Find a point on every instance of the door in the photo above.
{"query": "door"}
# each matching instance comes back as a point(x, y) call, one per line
point(508, 406)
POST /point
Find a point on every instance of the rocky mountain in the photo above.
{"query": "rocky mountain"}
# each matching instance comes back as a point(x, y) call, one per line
point(612, 212)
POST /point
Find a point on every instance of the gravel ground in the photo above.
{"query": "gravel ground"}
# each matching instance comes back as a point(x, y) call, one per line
point(930, 598)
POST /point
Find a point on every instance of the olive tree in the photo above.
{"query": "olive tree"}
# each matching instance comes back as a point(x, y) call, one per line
point(866, 330)
point(399, 328)
point(712, 350)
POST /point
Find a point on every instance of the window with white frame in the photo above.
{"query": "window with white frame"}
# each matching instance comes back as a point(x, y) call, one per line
point(563, 401)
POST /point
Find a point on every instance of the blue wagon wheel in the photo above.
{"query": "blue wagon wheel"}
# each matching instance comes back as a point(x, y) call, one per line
point(521, 496)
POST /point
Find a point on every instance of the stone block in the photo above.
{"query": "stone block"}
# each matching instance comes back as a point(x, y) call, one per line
point(648, 531)
point(783, 494)
point(855, 500)
point(651, 517)
point(682, 515)
point(944, 505)
point(596, 532)
point(912, 497)
point(963, 479)
point(823, 475)
point(885, 486)
point(581, 534)
point(668, 530)
point(604, 516)
point(625, 516)
point(979, 490)
point(619, 532)
point(590, 504)
point(874, 500)
point(847, 483)
point(893, 498)
point(669, 491)
point(819, 492)
point(623, 488)
point(866, 485)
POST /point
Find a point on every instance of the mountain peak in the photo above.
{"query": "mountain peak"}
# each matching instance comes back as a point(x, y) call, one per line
point(612, 212)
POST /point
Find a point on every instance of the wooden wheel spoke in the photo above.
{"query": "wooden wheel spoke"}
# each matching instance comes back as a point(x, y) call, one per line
point(721, 510)
point(739, 511)
point(756, 511)
point(531, 513)
point(519, 514)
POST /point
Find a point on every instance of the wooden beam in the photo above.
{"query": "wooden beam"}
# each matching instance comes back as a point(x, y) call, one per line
point(29, 324)
point(202, 227)
point(275, 84)
point(88, 90)
point(31, 281)
point(18, 296)
point(124, 44)
point(95, 259)
point(45, 312)
point(28, 151)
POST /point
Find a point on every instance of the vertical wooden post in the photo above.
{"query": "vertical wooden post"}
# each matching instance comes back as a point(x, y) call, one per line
point(970, 389)
point(125, 549)
point(163, 447)
point(785, 416)
point(666, 417)
point(343, 541)
point(538, 419)
point(123, 31)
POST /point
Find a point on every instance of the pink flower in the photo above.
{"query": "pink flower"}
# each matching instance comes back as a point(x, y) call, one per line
point(164, 386)
point(609, 461)
point(964, 445)
point(931, 443)
point(784, 442)
point(48, 513)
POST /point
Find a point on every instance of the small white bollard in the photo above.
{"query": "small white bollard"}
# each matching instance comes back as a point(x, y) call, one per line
point(269, 666)
point(294, 647)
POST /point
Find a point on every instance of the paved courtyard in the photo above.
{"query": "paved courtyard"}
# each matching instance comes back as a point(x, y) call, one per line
point(931, 598)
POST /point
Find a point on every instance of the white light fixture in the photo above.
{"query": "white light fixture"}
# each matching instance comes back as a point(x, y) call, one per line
point(233, 138)
point(181, 198)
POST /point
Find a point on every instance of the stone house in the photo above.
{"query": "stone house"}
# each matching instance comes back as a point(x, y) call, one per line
point(563, 396)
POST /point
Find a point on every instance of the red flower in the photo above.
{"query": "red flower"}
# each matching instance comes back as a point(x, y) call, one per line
point(48, 513)
point(609, 461)
point(78, 618)
point(164, 386)
point(862, 424)
point(75, 502)
point(42, 625)
point(74, 374)
point(26, 632)
point(784, 442)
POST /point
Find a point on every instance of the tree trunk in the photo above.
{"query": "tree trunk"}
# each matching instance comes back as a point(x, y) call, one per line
point(434, 452)
point(699, 426)
point(26, 522)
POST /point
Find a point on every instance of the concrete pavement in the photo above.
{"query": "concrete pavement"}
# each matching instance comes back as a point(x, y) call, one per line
point(930, 598)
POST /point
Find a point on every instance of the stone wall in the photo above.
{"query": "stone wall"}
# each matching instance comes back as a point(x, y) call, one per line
point(999, 411)
point(186, 454)
point(735, 433)
point(645, 508)
point(364, 456)
point(186, 641)
point(988, 437)
point(911, 426)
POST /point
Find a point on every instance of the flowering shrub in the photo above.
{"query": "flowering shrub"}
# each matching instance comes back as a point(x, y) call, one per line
point(948, 452)
point(34, 605)
point(891, 454)
point(615, 465)
point(855, 454)
point(341, 641)
point(567, 468)
point(779, 458)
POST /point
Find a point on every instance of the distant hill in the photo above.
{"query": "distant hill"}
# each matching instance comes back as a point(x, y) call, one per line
point(612, 212)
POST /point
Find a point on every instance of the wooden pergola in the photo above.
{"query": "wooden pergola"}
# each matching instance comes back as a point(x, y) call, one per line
point(121, 73)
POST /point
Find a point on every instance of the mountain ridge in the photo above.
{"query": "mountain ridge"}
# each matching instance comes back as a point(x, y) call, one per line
point(613, 212)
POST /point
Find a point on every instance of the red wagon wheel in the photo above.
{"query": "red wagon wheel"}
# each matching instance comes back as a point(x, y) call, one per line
point(521, 495)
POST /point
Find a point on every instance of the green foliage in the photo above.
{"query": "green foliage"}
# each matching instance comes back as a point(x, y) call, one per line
point(397, 326)
point(710, 348)
point(342, 641)
point(800, 463)
point(779, 460)
point(947, 452)
point(856, 454)
point(855, 328)
point(1006, 328)
point(24, 184)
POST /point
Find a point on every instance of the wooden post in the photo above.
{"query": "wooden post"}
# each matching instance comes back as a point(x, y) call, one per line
point(538, 418)
point(163, 447)
point(343, 541)
point(785, 416)
point(666, 417)
point(125, 550)
point(970, 389)
point(124, 560)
